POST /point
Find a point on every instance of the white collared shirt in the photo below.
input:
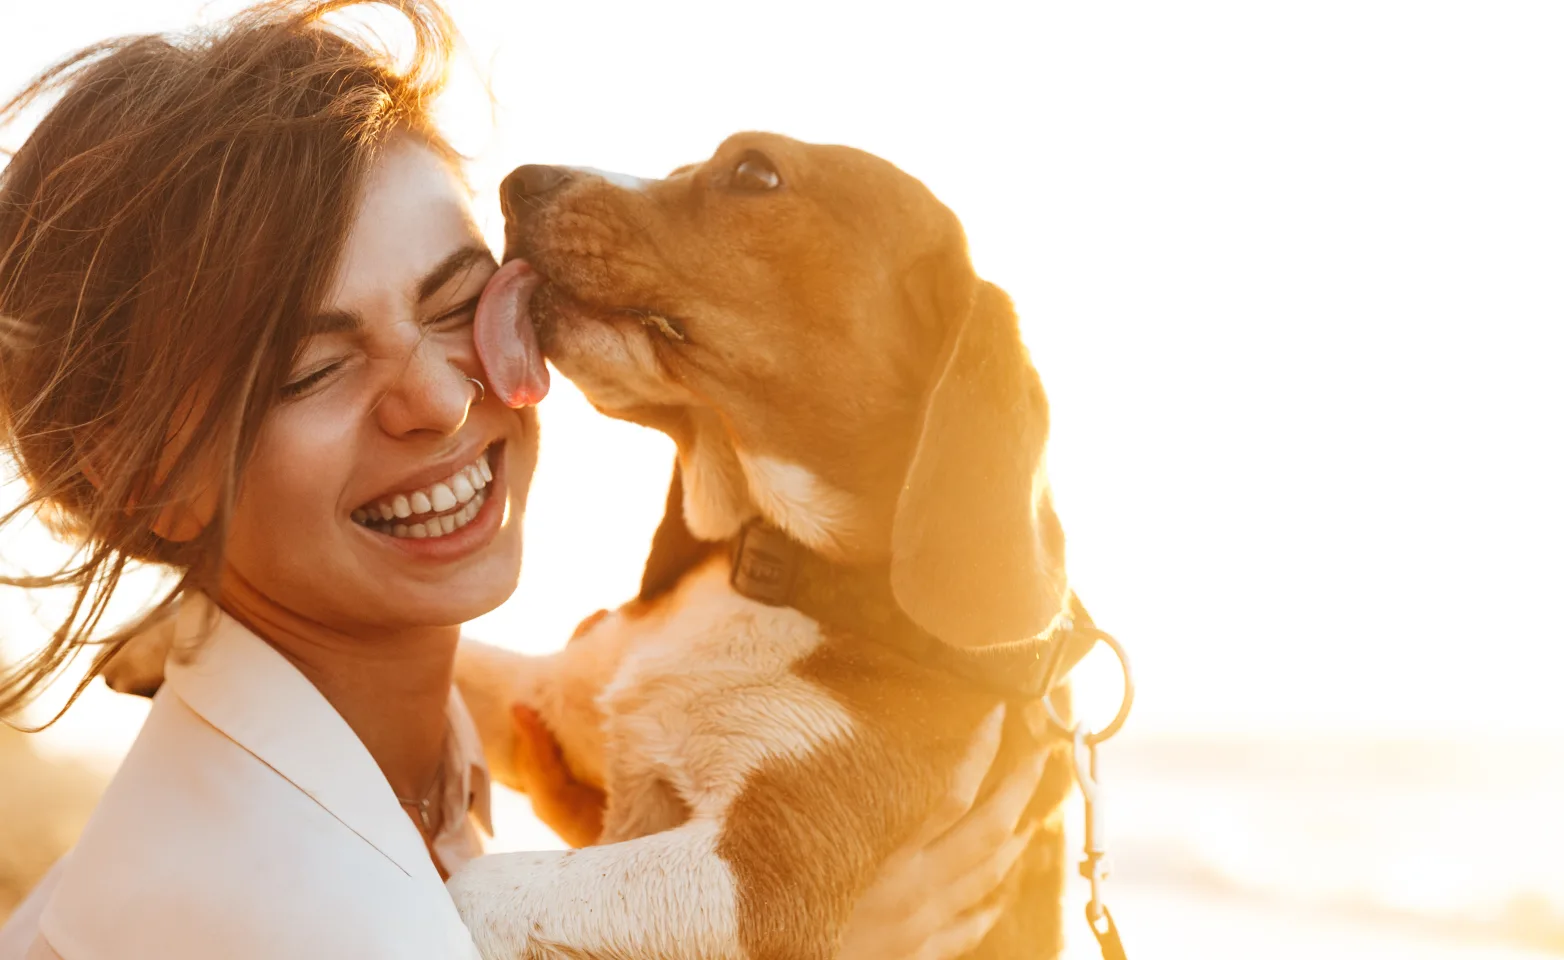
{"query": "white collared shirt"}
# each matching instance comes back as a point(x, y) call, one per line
point(247, 822)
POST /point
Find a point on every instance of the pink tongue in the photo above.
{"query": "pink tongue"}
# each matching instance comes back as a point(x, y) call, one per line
point(507, 344)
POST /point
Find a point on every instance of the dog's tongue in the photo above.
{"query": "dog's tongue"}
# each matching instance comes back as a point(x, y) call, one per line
point(507, 343)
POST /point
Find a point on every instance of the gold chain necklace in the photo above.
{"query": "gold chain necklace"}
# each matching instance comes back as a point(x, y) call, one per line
point(425, 806)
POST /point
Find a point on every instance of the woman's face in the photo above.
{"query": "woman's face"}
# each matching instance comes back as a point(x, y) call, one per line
point(383, 493)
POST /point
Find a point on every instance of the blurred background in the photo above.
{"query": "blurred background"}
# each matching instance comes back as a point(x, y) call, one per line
point(1291, 273)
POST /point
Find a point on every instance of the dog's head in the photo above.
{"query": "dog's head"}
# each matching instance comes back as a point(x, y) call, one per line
point(805, 323)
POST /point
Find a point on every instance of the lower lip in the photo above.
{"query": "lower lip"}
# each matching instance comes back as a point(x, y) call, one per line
point(458, 543)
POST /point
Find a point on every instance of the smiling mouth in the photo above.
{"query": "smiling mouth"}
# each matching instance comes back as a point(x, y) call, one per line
point(433, 511)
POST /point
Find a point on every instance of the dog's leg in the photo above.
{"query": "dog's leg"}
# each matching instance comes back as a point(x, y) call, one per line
point(667, 896)
point(561, 688)
point(492, 680)
point(640, 800)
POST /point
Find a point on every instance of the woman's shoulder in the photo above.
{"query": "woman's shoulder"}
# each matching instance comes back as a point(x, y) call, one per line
point(200, 848)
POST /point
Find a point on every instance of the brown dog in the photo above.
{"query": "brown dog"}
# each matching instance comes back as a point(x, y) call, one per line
point(859, 561)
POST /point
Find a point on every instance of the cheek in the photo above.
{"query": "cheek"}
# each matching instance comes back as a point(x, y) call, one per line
point(291, 487)
point(521, 459)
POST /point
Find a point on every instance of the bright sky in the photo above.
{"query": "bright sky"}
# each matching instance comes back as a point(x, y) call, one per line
point(1291, 273)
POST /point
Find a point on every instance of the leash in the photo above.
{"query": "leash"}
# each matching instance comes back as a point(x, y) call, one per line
point(772, 568)
point(1094, 862)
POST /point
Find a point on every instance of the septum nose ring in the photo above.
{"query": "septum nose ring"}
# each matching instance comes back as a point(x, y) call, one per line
point(481, 391)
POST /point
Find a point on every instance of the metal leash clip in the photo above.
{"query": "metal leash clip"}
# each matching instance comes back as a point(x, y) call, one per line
point(1094, 864)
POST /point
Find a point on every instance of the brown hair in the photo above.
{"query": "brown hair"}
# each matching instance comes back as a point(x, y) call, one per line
point(165, 232)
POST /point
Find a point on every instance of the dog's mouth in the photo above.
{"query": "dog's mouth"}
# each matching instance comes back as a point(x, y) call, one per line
point(520, 319)
point(671, 328)
point(555, 304)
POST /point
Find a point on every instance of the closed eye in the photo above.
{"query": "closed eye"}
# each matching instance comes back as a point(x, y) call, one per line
point(459, 315)
point(455, 318)
point(298, 388)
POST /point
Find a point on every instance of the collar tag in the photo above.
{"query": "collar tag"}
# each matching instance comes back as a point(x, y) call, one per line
point(765, 564)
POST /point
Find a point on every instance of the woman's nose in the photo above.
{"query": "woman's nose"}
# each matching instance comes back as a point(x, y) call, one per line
point(433, 394)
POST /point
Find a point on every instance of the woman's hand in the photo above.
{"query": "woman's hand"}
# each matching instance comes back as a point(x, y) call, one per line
point(929, 899)
point(570, 808)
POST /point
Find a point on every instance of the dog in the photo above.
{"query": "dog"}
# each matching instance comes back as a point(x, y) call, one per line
point(859, 558)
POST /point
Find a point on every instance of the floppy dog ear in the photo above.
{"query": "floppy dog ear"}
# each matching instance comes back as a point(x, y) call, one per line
point(674, 548)
point(977, 554)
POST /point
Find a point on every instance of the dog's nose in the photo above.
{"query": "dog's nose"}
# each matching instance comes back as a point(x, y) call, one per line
point(534, 178)
point(531, 180)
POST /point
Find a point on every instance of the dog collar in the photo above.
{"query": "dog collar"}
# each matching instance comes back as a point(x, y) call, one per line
point(772, 568)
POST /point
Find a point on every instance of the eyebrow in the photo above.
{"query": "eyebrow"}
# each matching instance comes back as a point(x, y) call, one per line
point(347, 321)
point(458, 261)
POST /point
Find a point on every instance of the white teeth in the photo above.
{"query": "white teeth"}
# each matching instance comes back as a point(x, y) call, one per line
point(441, 496)
point(463, 487)
point(441, 526)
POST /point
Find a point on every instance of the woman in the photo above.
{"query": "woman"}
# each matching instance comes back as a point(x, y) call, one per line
point(237, 277)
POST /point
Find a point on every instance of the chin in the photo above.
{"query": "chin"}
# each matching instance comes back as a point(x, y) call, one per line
point(483, 587)
point(460, 610)
point(467, 595)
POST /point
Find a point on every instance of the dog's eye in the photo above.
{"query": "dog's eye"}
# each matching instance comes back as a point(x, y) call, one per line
point(754, 173)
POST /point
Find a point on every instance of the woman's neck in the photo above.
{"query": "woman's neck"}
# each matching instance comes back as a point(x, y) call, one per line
point(391, 686)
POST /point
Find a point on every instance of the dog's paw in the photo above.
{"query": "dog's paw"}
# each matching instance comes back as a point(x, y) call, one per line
point(571, 808)
point(491, 895)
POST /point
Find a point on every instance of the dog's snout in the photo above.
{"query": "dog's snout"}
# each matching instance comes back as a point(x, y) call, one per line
point(530, 180)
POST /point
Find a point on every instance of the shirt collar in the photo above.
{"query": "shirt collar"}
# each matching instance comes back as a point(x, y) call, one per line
point(242, 686)
point(466, 756)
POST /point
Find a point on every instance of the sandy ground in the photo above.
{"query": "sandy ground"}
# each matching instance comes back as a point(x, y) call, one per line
point(1158, 923)
point(43, 805)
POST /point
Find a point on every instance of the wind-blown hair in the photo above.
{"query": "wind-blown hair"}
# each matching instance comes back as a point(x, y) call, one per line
point(165, 231)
